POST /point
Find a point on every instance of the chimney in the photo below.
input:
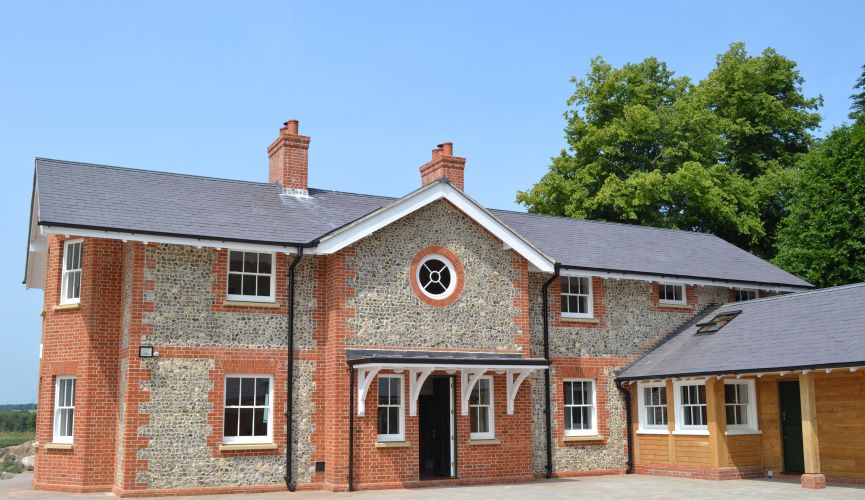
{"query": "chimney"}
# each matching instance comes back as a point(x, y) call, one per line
point(289, 159)
point(444, 164)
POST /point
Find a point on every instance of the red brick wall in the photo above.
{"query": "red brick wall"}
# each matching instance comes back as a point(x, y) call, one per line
point(83, 342)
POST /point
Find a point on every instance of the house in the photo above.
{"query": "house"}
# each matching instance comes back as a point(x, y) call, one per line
point(772, 384)
point(423, 340)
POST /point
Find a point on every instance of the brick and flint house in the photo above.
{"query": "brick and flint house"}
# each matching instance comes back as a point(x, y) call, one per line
point(429, 340)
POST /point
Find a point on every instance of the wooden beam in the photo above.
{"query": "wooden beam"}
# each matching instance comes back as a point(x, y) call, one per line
point(810, 441)
point(717, 422)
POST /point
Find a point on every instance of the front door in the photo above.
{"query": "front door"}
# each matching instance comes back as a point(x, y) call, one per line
point(791, 427)
point(436, 422)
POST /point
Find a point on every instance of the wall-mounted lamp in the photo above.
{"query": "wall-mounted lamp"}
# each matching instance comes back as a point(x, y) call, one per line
point(147, 351)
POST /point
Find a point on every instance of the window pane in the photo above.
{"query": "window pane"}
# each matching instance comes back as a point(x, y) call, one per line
point(264, 286)
point(76, 285)
point(70, 418)
point(248, 285)
point(573, 304)
point(584, 286)
point(264, 263)
point(234, 283)
point(246, 415)
point(393, 420)
point(677, 293)
point(259, 423)
point(232, 392)
point(247, 392)
point(587, 417)
point(383, 391)
point(250, 262)
point(230, 427)
point(483, 419)
point(394, 391)
point(702, 393)
point(382, 420)
point(262, 391)
point(76, 256)
point(569, 393)
point(565, 283)
point(235, 262)
point(584, 305)
point(484, 391)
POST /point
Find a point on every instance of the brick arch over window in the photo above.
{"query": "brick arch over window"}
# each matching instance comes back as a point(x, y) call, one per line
point(458, 268)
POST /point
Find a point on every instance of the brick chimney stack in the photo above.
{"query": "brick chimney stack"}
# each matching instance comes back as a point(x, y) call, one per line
point(444, 164)
point(289, 159)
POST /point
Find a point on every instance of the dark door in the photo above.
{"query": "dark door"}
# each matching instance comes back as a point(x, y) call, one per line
point(791, 427)
point(434, 413)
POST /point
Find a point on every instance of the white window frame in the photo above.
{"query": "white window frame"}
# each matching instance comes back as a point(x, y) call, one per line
point(593, 431)
point(400, 436)
point(643, 426)
point(252, 298)
point(268, 439)
point(66, 273)
point(756, 293)
point(58, 409)
point(682, 302)
point(752, 427)
point(491, 412)
point(451, 270)
point(590, 313)
point(681, 428)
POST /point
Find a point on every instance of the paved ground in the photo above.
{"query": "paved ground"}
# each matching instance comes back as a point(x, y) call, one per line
point(649, 487)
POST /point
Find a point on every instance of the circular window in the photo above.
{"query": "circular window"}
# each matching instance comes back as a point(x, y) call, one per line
point(436, 276)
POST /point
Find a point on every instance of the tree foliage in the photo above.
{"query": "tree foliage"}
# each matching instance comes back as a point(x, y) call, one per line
point(648, 147)
point(857, 109)
point(823, 238)
point(17, 421)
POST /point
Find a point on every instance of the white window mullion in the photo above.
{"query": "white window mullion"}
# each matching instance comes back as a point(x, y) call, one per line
point(70, 282)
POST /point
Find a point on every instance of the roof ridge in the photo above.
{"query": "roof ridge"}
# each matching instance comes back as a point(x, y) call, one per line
point(606, 222)
point(159, 172)
point(796, 294)
point(367, 195)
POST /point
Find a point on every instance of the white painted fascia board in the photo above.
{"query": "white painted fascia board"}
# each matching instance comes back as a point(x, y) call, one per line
point(439, 366)
point(388, 214)
point(37, 249)
point(170, 240)
point(678, 281)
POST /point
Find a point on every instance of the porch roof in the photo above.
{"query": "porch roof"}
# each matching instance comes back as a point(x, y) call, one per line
point(801, 331)
point(439, 358)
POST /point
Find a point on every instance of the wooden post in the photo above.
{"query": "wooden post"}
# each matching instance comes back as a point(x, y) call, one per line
point(812, 478)
point(717, 422)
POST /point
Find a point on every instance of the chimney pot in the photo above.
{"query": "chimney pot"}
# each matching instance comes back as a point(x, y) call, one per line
point(291, 127)
point(444, 165)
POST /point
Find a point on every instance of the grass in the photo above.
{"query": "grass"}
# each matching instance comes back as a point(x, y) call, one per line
point(14, 438)
point(9, 465)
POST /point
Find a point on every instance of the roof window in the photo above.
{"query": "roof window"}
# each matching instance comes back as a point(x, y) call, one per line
point(717, 322)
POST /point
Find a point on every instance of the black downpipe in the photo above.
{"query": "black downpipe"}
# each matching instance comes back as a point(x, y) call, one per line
point(627, 394)
point(351, 429)
point(289, 434)
point(546, 314)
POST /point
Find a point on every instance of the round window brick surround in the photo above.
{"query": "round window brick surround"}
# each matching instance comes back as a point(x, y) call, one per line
point(435, 277)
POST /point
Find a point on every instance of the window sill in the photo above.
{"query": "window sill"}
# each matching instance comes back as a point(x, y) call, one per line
point(689, 432)
point(392, 444)
point(577, 439)
point(59, 446)
point(250, 303)
point(743, 432)
point(676, 305)
point(66, 307)
point(570, 319)
point(245, 447)
point(654, 431)
point(484, 442)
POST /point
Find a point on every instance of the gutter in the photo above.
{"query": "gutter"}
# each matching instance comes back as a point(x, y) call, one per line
point(289, 383)
point(749, 371)
point(626, 393)
point(546, 314)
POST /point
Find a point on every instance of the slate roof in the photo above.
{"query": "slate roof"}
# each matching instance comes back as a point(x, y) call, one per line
point(82, 195)
point(357, 356)
point(820, 328)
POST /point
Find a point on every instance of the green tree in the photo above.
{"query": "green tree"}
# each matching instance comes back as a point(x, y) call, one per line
point(647, 147)
point(823, 237)
point(857, 109)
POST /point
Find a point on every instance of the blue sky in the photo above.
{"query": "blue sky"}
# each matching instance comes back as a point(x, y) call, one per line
point(202, 88)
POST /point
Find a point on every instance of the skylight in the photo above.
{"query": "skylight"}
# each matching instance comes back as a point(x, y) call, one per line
point(717, 322)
